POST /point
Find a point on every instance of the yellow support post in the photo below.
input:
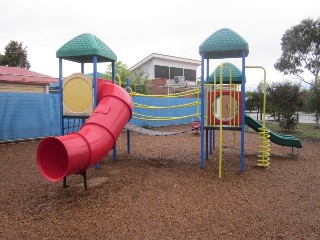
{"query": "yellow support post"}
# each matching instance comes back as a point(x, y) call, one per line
point(207, 99)
point(230, 108)
point(264, 147)
point(238, 90)
point(214, 98)
point(220, 130)
point(118, 76)
point(198, 106)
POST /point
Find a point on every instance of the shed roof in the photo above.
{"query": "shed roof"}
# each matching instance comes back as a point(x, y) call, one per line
point(21, 75)
point(82, 48)
point(235, 74)
point(224, 43)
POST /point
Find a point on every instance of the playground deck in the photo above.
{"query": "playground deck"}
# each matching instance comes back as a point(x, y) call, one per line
point(159, 192)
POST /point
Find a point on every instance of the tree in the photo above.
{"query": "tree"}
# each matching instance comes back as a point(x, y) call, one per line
point(285, 99)
point(301, 51)
point(140, 81)
point(254, 100)
point(15, 56)
point(122, 71)
point(250, 104)
point(312, 103)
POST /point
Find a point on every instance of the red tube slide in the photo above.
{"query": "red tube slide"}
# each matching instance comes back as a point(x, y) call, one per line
point(58, 157)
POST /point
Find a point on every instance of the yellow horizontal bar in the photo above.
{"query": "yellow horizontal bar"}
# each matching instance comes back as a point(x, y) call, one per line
point(186, 93)
point(138, 105)
point(153, 118)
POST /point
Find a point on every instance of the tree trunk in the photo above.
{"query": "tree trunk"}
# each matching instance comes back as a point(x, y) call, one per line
point(317, 112)
point(317, 119)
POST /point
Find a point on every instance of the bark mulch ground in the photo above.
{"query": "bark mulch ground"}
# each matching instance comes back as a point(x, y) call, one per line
point(159, 192)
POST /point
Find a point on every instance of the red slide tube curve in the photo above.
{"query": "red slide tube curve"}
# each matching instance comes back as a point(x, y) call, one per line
point(58, 157)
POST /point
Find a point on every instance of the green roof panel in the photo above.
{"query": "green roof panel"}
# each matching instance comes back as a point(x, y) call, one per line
point(235, 74)
point(82, 48)
point(224, 43)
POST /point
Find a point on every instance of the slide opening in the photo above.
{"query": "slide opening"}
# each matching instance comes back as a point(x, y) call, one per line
point(52, 159)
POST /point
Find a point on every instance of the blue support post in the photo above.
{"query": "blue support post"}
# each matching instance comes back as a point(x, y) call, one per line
point(243, 98)
point(128, 131)
point(114, 152)
point(128, 84)
point(95, 86)
point(128, 142)
point(113, 71)
point(207, 77)
point(95, 90)
point(82, 67)
point(207, 145)
point(61, 98)
point(202, 114)
point(211, 140)
point(82, 71)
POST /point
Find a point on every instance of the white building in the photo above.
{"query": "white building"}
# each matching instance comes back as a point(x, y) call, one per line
point(168, 68)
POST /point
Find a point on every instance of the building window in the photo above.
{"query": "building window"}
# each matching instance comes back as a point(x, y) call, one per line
point(161, 71)
point(190, 75)
point(175, 72)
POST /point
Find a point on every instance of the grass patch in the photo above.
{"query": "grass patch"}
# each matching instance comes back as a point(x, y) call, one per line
point(304, 130)
point(307, 130)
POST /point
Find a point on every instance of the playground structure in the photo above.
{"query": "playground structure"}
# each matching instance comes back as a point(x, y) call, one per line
point(58, 157)
point(225, 95)
point(223, 101)
point(223, 43)
point(219, 105)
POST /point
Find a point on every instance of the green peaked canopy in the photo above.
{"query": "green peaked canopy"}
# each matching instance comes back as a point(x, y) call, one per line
point(82, 48)
point(235, 74)
point(224, 43)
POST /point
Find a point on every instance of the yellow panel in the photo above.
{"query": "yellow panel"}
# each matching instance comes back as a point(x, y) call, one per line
point(77, 94)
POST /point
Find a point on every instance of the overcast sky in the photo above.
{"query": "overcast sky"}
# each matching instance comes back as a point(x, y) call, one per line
point(135, 29)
